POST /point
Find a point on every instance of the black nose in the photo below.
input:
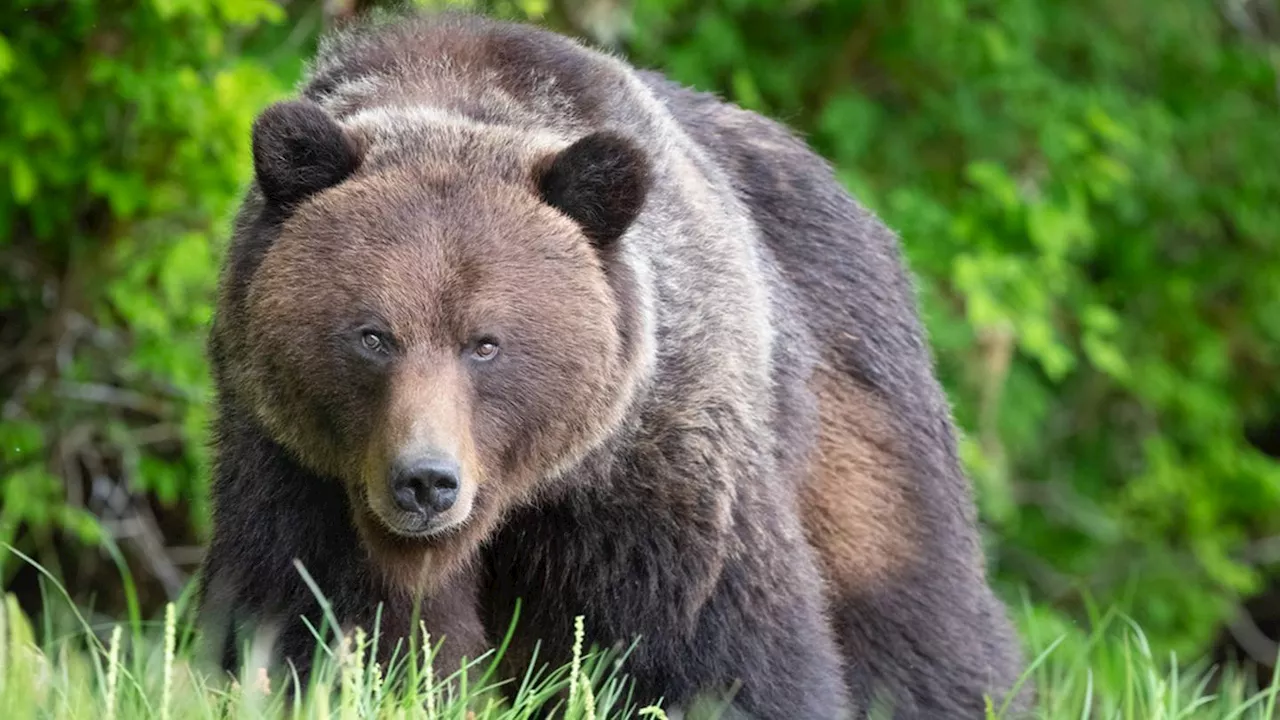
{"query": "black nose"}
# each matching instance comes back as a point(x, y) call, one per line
point(426, 486)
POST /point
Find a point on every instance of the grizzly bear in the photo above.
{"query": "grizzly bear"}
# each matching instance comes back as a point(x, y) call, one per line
point(507, 320)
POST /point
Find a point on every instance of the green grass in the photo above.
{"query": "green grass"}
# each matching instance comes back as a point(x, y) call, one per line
point(70, 668)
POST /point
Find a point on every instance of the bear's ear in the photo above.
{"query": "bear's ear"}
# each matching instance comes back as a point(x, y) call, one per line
point(600, 182)
point(298, 150)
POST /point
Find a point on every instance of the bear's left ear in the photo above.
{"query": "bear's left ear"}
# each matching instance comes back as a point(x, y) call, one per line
point(600, 181)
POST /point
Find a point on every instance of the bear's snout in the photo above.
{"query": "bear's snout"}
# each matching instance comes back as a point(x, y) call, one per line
point(426, 486)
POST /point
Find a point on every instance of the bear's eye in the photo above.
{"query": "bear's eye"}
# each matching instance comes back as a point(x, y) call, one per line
point(372, 342)
point(484, 350)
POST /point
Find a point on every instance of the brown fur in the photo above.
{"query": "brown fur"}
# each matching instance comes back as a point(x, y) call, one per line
point(714, 425)
point(857, 511)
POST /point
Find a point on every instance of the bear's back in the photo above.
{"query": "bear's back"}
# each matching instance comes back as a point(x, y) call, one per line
point(480, 69)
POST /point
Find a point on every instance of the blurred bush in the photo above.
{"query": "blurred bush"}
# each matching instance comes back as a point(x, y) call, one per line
point(1089, 193)
point(123, 147)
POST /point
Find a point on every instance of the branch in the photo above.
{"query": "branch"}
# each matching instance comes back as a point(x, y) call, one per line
point(109, 395)
point(1260, 648)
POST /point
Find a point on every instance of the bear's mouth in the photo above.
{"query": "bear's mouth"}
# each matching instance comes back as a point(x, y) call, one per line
point(418, 561)
point(400, 527)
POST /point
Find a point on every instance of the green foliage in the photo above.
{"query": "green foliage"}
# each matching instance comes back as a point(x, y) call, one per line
point(122, 142)
point(1088, 193)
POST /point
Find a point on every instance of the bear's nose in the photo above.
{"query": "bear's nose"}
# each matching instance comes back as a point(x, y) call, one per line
point(426, 487)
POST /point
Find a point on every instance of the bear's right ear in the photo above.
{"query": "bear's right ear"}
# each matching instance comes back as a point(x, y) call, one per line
point(299, 150)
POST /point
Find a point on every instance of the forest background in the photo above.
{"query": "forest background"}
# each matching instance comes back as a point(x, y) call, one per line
point(1088, 194)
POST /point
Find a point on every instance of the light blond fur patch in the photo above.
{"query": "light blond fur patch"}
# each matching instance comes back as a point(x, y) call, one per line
point(856, 510)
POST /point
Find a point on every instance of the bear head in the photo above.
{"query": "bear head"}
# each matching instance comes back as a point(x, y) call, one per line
point(436, 315)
